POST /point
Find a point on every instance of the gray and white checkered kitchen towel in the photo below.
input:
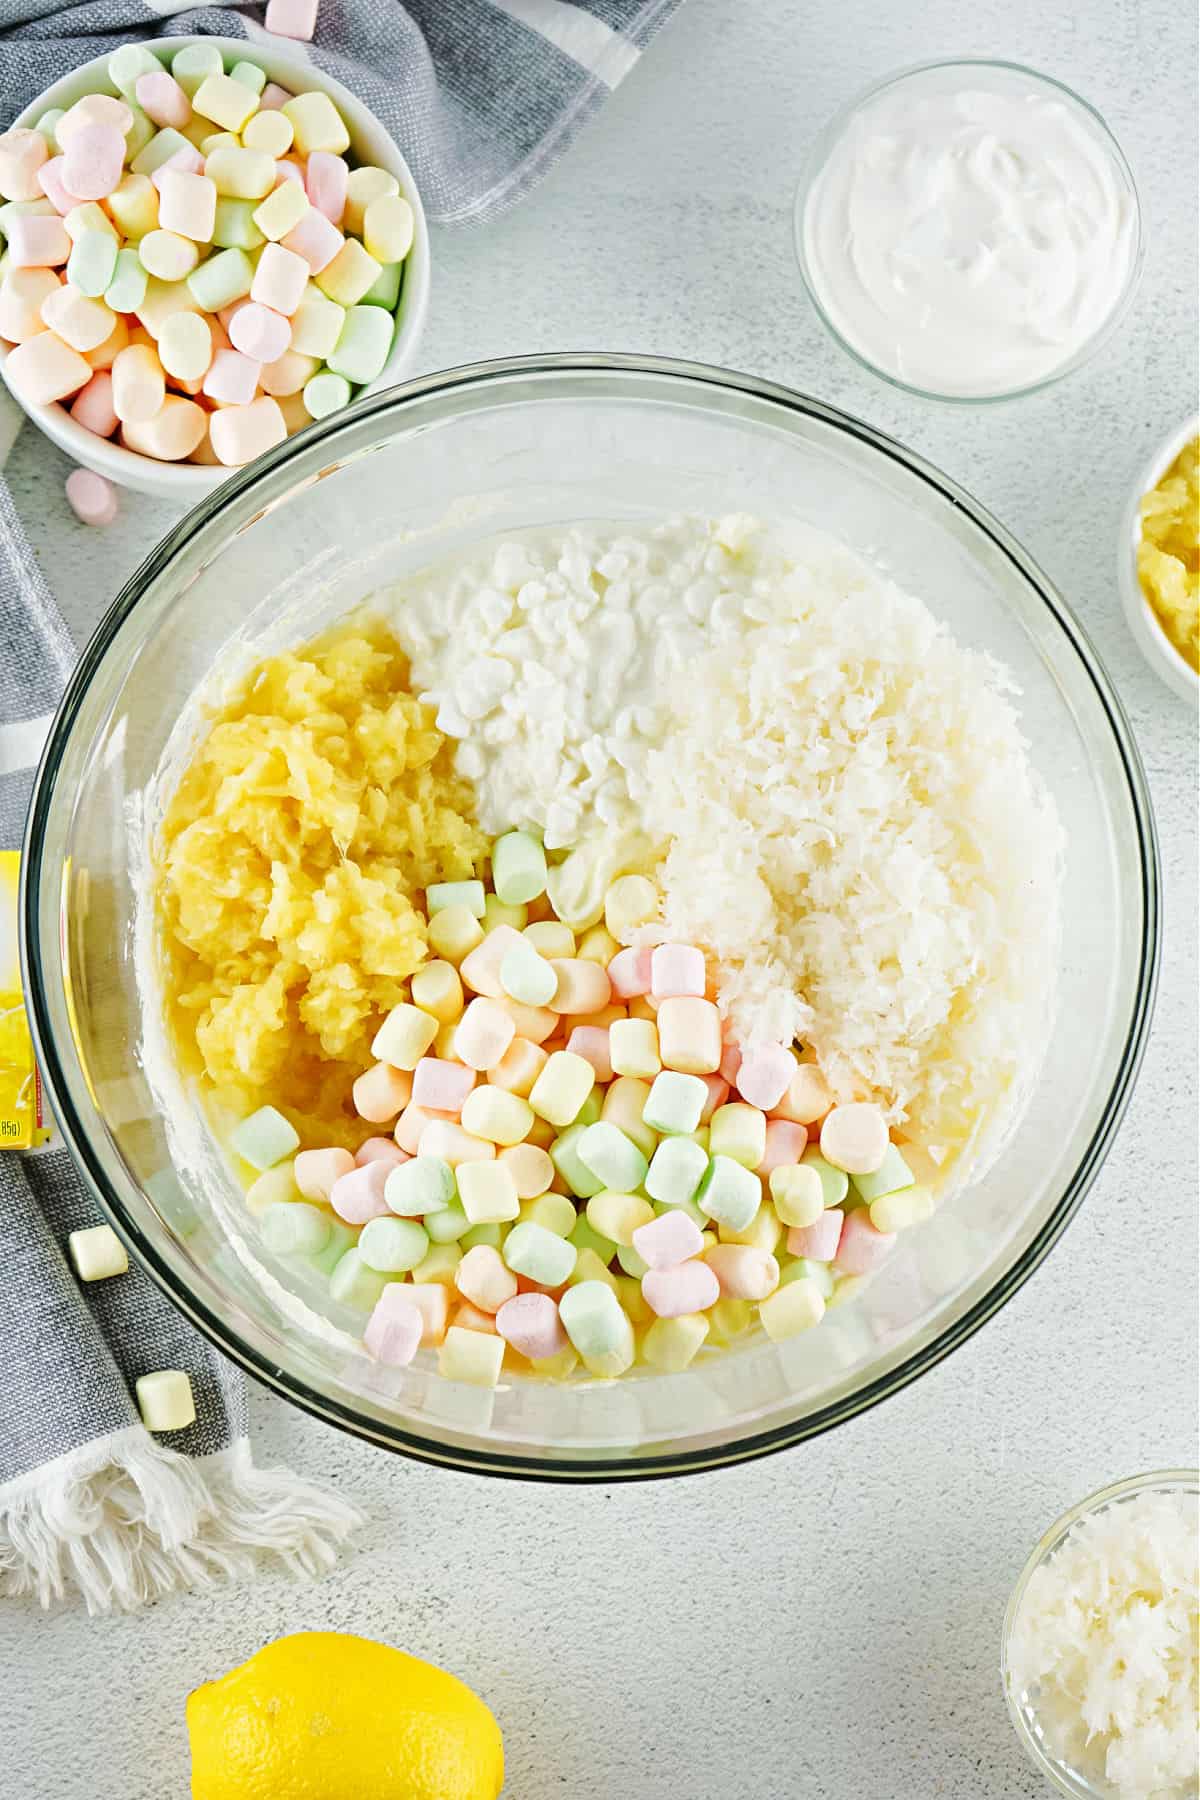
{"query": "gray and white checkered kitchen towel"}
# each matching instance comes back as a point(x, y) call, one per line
point(481, 96)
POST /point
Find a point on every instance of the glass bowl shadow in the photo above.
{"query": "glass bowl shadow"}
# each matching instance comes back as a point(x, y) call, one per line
point(356, 503)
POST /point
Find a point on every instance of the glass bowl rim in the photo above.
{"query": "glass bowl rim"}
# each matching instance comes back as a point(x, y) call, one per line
point(522, 1465)
point(1151, 1481)
point(815, 161)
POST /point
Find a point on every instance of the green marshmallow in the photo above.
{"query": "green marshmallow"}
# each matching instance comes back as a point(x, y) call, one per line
point(564, 1154)
point(385, 289)
point(441, 894)
point(590, 1111)
point(127, 64)
point(92, 262)
point(264, 1138)
point(892, 1175)
point(141, 130)
point(326, 393)
point(316, 324)
point(595, 1322)
point(234, 227)
point(362, 349)
point(518, 868)
point(249, 74)
point(194, 64)
point(835, 1183)
point(221, 279)
point(488, 1234)
point(342, 1237)
point(539, 1254)
point(393, 1246)
point(127, 289)
point(353, 1283)
point(526, 976)
point(729, 1193)
point(740, 1132)
point(162, 147)
point(584, 1236)
point(48, 126)
point(612, 1157)
point(423, 1185)
point(675, 1102)
point(293, 1228)
point(676, 1171)
point(631, 1262)
point(447, 1225)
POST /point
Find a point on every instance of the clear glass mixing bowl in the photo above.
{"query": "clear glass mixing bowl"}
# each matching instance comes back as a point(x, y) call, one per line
point(416, 474)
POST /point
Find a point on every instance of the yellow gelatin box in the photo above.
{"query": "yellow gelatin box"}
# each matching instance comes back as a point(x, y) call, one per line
point(21, 1125)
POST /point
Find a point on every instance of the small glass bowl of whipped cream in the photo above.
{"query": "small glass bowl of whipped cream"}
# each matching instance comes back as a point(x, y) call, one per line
point(969, 230)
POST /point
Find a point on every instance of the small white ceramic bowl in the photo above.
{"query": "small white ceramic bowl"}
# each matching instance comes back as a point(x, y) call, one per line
point(186, 482)
point(1152, 640)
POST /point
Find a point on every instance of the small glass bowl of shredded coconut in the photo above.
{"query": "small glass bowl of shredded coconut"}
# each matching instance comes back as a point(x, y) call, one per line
point(1100, 1659)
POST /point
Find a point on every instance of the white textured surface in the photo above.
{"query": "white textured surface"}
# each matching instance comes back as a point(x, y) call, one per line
point(825, 1623)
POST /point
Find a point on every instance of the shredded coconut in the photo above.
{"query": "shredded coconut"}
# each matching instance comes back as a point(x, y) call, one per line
point(1104, 1647)
point(841, 795)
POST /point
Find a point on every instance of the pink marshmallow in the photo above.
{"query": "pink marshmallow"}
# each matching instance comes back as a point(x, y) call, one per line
point(484, 1033)
point(862, 1248)
point(440, 1085)
point(381, 1150)
point(676, 969)
point(629, 973)
point(50, 181)
point(744, 1272)
point(530, 1323)
point(93, 406)
point(718, 1094)
point(93, 162)
point(37, 242)
point(394, 1330)
point(731, 1062)
point(669, 1240)
point(786, 1144)
point(286, 170)
point(232, 378)
point(258, 332)
point(162, 99)
point(410, 1126)
point(273, 97)
point(591, 1042)
point(689, 1287)
point(279, 282)
point(292, 18)
point(325, 183)
point(764, 1075)
point(358, 1196)
point(315, 239)
point(186, 161)
point(315, 1171)
point(447, 1139)
point(817, 1242)
point(92, 499)
point(22, 154)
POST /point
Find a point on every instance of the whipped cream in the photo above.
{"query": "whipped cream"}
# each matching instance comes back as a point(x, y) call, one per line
point(970, 231)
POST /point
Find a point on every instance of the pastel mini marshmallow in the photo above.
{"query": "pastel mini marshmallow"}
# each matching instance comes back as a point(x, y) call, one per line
point(440, 1085)
point(43, 369)
point(292, 18)
point(671, 1238)
point(22, 154)
point(35, 242)
point(530, 1323)
point(259, 332)
point(315, 1171)
point(688, 1287)
point(93, 162)
point(359, 1195)
point(862, 1248)
point(231, 378)
point(676, 969)
point(92, 499)
point(240, 433)
point(381, 1150)
point(162, 99)
point(394, 1331)
point(174, 432)
point(93, 407)
point(187, 204)
point(819, 1241)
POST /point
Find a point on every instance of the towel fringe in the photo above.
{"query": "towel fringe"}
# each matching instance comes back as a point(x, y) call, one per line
point(125, 1520)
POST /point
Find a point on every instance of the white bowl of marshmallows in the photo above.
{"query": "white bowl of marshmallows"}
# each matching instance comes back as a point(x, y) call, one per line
point(210, 243)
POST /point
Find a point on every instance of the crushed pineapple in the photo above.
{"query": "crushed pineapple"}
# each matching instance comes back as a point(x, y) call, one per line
point(1169, 554)
point(320, 799)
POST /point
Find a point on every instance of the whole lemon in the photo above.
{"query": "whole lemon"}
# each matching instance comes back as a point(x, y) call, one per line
point(323, 1715)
